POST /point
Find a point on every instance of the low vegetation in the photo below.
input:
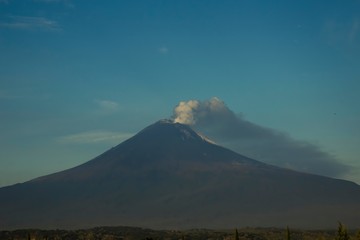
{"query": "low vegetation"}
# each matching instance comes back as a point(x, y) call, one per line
point(132, 233)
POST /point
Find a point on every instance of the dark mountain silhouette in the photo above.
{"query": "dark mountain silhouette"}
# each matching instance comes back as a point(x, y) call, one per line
point(168, 176)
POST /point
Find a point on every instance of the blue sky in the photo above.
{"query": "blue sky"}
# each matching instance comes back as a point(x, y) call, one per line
point(78, 77)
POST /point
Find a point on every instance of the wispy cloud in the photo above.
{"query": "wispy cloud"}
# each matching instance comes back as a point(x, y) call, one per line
point(163, 50)
point(107, 105)
point(29, 23)
point(214, 119)
point(95, 136)
point(345, 33)
point(4, 1)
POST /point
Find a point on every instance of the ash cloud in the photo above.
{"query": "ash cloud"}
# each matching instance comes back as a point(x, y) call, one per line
point(213, 118)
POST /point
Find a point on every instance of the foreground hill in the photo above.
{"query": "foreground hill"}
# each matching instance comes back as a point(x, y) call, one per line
point(168, 176)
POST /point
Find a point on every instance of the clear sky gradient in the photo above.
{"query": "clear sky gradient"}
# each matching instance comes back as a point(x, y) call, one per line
point(78, 77)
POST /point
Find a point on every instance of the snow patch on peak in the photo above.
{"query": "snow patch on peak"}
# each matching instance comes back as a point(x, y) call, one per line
point(185, 134)
point(206, 139)
point(166, 121)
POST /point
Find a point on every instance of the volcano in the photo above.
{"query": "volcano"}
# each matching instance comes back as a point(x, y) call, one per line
point(169, 176)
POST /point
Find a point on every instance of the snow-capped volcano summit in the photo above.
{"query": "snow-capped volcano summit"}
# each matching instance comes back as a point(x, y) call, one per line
point(170, 129)
point(169, 176)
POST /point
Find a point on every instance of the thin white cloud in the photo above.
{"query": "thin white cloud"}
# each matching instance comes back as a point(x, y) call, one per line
point(107, 105)
point(29, 23)
point(95, 136)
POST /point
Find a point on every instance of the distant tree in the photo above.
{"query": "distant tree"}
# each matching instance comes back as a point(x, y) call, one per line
point(342, 233)
point(288, 233)
point(236, 234)
point(358, 235)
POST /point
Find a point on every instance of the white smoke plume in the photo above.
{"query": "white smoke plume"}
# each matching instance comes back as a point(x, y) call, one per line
point(214, 119)
point(189, 112)
point(184, 112)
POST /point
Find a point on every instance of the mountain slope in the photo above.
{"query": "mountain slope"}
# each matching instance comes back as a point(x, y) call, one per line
point(168, 176)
